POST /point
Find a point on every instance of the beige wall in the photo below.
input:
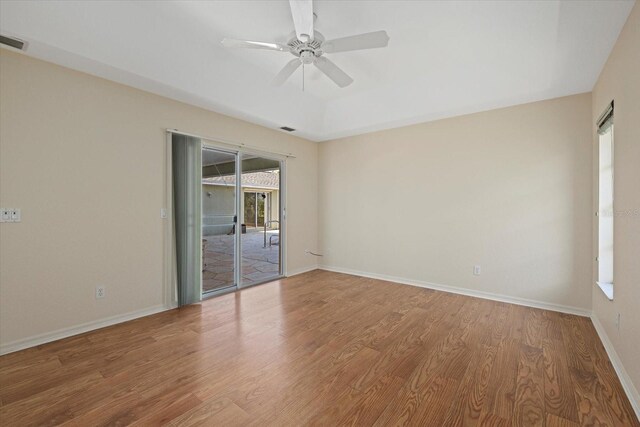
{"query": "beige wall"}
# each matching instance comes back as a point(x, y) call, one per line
point(85, 160)
point(620, 81)
point(508, 189)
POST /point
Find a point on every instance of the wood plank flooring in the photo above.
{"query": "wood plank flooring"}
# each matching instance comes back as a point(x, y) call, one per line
point(323, 349)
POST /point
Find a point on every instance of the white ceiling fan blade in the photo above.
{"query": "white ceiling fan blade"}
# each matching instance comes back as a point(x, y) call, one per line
point(286, 72)
point(302, 13)
point(332, 71)
point(247, 44)
point(358, 42)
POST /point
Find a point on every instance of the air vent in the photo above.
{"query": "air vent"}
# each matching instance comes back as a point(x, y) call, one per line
point(14, 43)
point(287, 128)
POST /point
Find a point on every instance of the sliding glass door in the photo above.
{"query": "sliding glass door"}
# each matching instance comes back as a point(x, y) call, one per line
point(241, 220)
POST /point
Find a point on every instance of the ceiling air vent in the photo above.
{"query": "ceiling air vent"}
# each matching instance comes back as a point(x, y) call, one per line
point(287, 128)
point(10, 41)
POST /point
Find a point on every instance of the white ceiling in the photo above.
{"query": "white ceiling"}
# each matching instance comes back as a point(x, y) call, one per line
point(445, 58)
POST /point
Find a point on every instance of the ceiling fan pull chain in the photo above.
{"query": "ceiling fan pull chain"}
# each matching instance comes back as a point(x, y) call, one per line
point(303, 77)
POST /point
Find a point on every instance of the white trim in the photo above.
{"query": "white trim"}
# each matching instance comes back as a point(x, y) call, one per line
point(464, 291)
point(36, 340)
point(301, 271)
point(627, 384)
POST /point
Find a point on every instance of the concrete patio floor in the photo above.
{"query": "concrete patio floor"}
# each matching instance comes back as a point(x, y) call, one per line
point(258, 263)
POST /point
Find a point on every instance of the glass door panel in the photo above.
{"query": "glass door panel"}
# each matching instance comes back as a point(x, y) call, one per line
point(219, 220)
point(261, 251)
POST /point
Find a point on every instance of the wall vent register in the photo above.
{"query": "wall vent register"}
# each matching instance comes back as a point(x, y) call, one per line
point(13, 42)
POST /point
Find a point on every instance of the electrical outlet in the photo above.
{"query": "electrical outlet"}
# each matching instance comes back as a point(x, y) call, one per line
point(163, 213)
point(16, 215)
point(618, 322)
point(5, 215)
point(10, 215)
point(476, 270)
point(100, 291)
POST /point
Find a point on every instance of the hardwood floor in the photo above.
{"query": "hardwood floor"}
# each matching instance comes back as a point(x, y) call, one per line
point(325, 349)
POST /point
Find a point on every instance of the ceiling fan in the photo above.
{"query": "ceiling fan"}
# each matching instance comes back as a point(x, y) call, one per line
point(309, 46)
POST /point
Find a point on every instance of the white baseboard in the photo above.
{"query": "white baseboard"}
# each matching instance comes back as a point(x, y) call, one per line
point(464, 291)
point(627, 384)
point(33, 341)
point(301, 271)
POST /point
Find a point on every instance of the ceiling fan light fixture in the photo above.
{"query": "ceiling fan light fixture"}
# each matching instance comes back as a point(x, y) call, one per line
point(307, 57)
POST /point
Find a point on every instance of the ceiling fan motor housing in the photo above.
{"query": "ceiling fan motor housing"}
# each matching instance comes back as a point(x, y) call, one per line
point(309, 50)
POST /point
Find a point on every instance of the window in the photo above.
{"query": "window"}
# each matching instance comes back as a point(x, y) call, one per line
point(605, 202)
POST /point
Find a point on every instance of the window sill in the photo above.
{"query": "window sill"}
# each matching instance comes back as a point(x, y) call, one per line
point(607, 288)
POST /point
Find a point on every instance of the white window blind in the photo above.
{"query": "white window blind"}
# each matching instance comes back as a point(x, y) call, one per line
point(605, 202)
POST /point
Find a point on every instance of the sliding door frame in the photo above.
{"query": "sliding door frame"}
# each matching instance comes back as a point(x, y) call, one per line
point(239, 152)
point(170, 295)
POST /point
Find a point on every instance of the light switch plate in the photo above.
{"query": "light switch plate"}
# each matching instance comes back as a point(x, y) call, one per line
point(100, 292)
point(16, 215)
